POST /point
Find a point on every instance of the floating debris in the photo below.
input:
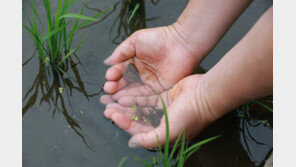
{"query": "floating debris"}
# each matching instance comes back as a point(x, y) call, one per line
point(154, 89)
point(61, 90)
point(116, 135)
point(135, 118)
point(145, 120)
point(134, 108)
point(146, 98)
point(69, 126)
point(46, 61)
point(81, 112)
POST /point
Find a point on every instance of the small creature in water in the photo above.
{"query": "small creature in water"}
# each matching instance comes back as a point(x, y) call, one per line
point(135, 118)
point(134, 108)
point(61, 89)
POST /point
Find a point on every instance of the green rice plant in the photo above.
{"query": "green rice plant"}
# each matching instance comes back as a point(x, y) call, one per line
point(134, 11)
point(54, 40)
point(165, 158)
point(262, 105)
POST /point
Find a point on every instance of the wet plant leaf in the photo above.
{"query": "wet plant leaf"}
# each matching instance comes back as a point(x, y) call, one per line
point(134, 11)
point(77, 16)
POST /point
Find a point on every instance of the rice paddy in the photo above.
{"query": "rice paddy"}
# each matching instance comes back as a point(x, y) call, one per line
point(54, 39)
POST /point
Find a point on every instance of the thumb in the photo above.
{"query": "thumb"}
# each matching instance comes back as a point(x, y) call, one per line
point(157, 136)
point(124, 51)
point(150, 139)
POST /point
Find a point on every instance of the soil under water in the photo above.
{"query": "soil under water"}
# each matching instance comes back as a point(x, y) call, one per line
point(68, 128)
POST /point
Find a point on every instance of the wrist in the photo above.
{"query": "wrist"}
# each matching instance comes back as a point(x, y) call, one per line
point(183, 38)
point(204, 103)
point(213, 101)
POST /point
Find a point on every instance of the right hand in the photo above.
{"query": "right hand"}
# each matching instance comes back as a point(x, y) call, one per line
point(187, 110)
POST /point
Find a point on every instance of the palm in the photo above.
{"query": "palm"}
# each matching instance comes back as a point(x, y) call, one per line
point(140, 113)
point(157, 56)
point(145, 67)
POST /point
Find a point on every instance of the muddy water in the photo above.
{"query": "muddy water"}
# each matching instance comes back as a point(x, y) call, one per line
point(67, 128)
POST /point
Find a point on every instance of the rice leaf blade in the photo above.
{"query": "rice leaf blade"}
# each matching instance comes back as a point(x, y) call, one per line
point(81, 42)
point(53, 32)
point(77, 16)
point(175, 147)
point(182, 152)
point(134, 11)
point(263, 105)
point(167, 140)
point(201, 143)
point(64, 58)
point(122, 161)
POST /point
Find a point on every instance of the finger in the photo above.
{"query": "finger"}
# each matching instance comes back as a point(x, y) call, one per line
point(106, 99)
point(115, 72)
point(142, 101)
point(151, 139)
point(112, 108)
point(142, 90)
point(145, 101)
point(157, 137)
point(124, 51)
point(129, 125)
point(118, 106)
point(109, 112)
point(121, 120)
point(111, 87)
point(124, 84)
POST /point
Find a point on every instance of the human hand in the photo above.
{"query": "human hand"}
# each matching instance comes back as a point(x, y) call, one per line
point(159, 54)
point(138, 115)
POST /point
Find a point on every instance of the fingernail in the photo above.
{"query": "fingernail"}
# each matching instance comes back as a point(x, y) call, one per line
point(107, 61)
point(133, 143)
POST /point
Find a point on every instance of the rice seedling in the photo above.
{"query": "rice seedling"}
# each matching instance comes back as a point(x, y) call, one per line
point(54, 40)
point(166, 158)
point(132, 17)
point(262, 105)
point(134, 11)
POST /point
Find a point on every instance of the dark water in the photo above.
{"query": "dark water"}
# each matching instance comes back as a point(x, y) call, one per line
point(69, 129)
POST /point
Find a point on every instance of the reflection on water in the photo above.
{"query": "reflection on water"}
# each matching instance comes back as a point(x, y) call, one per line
point(56, 88)
point(136, 23)
point(249, 122)
point(246, 140)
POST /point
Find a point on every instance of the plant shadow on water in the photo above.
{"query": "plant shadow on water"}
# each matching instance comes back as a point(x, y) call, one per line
point(56, 88)
point(132, 17)
point(241, 129)
point(129, 23)
point(52, 80)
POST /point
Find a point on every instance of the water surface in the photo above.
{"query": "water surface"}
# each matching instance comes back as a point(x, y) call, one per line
point(69, 129)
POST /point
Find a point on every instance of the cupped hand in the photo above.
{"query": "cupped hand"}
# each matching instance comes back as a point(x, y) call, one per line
point(138, 114)
point(159, 54)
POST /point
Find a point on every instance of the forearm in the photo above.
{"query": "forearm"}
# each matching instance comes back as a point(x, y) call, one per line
point(204, 22)
point(245, 72)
